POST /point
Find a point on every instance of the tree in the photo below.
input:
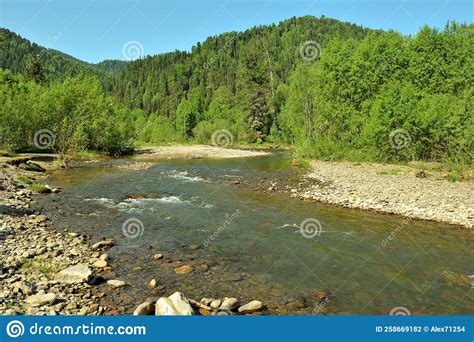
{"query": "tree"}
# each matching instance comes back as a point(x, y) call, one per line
point(34, 70)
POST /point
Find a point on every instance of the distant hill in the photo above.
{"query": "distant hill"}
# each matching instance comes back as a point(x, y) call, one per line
point(112, 65)
point(157, 83)
point(14, 51)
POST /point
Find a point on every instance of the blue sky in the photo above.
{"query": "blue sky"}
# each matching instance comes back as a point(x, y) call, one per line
point(94, 30)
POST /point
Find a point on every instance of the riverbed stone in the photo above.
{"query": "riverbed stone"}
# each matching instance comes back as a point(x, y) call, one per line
point(144, 309)
point(100, 263)
point(103, 244)
point(251, 307)
point(41, 299)
point(152, 284)
point(175, 305)
point(215, 303)
point(229, 303)
point(184, 269)
point(158, 256)
point(75, 274)
point(116, 283)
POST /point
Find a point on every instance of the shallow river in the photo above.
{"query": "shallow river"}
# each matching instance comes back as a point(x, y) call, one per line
point(250, 245)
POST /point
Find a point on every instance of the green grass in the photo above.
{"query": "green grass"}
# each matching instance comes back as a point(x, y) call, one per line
point(8, 154)
point(39, 188)
point(32, 184)
point(46, 270)
point(454, 177)
point(26, 264)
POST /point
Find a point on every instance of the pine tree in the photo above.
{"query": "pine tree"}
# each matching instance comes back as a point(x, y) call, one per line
point(34, 70)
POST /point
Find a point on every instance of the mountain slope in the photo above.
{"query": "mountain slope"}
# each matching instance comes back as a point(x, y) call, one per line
point(14, 51)
point(158, 83)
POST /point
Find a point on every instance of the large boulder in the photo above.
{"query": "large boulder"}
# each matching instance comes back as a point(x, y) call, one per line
point(79, 273)
point(175, 305)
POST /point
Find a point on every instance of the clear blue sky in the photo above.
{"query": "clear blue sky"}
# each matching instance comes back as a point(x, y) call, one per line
point(94, 30)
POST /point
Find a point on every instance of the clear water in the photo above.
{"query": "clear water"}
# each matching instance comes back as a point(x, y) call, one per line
point(257, 250)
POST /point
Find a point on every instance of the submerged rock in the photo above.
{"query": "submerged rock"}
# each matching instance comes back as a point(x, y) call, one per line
point(175, 305)
point(103, 244)
point(158, 256)
point(184, 269)
point(457, 278)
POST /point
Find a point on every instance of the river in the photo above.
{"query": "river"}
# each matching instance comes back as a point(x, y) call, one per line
point(252, 245)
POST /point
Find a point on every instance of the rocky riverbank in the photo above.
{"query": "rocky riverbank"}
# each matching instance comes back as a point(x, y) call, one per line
point(47, 272)
point(391, 189)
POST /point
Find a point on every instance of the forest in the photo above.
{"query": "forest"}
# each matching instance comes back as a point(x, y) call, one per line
point(328, 89)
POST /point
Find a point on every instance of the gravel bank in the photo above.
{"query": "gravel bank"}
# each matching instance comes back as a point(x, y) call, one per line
point(391, 189)
point(35, 266)
point(194, 152)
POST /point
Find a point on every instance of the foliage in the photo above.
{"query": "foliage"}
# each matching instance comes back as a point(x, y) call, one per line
point(371, 95)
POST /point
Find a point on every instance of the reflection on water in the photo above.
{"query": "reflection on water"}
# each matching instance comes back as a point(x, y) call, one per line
point(249, 245)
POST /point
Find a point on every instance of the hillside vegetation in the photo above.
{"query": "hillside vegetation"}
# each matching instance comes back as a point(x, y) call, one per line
point(333, 90)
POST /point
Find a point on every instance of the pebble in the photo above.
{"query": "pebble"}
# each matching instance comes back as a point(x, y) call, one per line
point(116, 283)
point(251, 307)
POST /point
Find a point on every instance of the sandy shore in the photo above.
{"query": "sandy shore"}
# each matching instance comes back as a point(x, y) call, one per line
point(194, 152)
point(391, 189)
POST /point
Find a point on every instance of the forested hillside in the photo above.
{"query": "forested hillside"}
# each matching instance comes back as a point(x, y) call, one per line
point(234, 76)
point(15, 52)
point(333, 90)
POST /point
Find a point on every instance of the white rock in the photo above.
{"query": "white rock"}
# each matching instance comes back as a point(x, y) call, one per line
point(41, 299)
point(253, 306)
point(74, 274)
point(215, 303)
point(229, 303)
point(116, 283)
point(152, 284)
point(144, 309)
point(175, 305)
point(100, 263)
